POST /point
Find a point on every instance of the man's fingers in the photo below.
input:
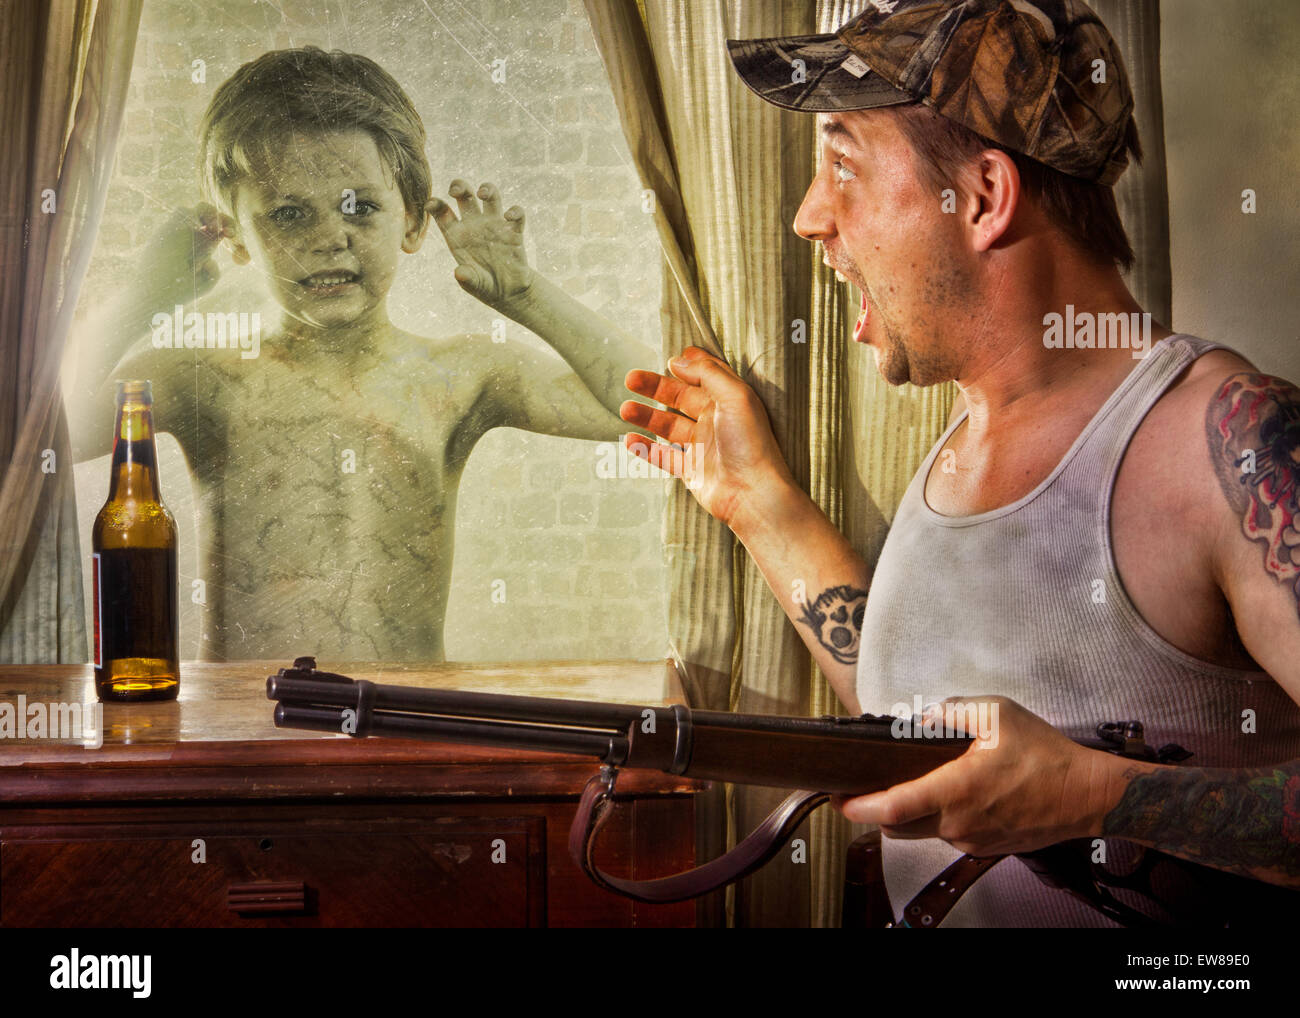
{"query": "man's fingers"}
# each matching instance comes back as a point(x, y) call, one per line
point(464, 196)
point(900, 805)
point(926, 827)
point(491, 199)
point(701, 368)
point(666, 457)
point(664, 423)
point(689, 399)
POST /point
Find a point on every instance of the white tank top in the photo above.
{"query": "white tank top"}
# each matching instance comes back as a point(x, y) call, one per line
point(1024, 601)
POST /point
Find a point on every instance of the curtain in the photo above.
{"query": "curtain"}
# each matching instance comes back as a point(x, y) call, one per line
point(1143, 192)
point(65, 68)
point(728, 172)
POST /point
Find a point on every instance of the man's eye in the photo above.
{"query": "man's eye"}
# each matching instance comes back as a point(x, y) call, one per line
point(843, 173)
point(285, 214)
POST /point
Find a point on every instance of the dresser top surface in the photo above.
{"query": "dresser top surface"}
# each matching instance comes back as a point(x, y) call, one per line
point(223, 714)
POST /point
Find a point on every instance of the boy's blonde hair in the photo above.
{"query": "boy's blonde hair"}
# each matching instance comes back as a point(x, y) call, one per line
point(308, 89)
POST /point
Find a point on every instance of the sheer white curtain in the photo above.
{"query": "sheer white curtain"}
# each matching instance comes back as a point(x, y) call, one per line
point(65, 68)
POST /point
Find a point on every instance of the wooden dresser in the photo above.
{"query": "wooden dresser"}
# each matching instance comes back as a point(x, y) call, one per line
point(200, 812)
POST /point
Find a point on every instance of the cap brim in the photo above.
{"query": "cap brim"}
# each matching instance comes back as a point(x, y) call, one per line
point(820, 85)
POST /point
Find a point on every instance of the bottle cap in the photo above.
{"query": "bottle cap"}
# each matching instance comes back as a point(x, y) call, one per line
point(134, 392)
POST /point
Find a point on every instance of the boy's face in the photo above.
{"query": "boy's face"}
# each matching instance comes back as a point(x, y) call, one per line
point(324, 224)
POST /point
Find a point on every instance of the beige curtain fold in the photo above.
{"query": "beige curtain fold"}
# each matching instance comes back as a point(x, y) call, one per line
point(65, 67)
point(729, 172)
point(1143, 192)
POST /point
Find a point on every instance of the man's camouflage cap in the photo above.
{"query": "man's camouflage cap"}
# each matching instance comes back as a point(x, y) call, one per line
point(1043, 78)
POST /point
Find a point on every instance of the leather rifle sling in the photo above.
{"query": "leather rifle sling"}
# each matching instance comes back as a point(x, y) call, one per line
point(935, 900)
point(597, 804)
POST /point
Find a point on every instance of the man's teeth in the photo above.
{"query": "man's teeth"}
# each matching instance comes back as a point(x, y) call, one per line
point(840, 276)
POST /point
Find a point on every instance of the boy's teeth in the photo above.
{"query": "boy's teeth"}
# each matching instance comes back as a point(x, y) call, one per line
point(840, 276)
point(328, 280)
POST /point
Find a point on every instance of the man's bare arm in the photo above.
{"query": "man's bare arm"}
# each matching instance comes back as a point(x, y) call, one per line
point(1244, 821)
point(720, 442)
point(819, 580)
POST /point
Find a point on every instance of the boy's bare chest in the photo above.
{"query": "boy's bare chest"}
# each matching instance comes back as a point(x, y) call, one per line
point(342, 456)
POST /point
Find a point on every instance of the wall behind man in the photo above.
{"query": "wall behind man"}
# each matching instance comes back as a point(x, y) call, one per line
point(1230, 96)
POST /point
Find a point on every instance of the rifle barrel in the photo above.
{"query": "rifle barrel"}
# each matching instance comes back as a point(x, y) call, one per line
point(456, 703)
point(474, 732)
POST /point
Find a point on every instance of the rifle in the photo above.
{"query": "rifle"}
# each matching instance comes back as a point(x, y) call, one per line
point(827, 755)
point(842, 755)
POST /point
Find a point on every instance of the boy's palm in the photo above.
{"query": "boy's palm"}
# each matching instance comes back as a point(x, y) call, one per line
point(488, 246)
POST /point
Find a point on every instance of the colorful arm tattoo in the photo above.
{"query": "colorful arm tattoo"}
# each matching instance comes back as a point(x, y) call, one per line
point(1253, 427)
point(1243, 821)
point(836, 620)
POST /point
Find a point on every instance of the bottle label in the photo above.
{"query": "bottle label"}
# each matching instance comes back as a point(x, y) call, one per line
point(95, 614)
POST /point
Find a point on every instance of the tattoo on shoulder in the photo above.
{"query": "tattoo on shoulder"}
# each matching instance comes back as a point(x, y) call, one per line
point(836, 619)
point(1253, 427)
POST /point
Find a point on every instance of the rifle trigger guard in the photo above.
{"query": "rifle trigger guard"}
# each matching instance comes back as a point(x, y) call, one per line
point(755, 851)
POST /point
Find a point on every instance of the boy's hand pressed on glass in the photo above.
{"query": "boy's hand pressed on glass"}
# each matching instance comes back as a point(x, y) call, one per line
point(488, 246)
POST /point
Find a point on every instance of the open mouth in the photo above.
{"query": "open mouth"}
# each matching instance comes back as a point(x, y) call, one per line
point(859, 330)
point(325, 284)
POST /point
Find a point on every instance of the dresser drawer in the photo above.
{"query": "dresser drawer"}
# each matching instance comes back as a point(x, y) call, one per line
point(453, 871)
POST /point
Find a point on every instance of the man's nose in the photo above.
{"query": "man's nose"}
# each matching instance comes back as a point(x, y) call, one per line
point(813, 221)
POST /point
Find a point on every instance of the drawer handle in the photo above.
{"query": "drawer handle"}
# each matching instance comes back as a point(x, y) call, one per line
point(267, 896)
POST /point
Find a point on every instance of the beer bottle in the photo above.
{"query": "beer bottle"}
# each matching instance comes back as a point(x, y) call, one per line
point(136, 615)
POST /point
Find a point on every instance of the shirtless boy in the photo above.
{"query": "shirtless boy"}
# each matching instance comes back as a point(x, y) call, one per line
point(327, 466)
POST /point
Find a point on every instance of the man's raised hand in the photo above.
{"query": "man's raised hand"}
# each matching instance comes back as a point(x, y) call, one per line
point(488, 246)
point(719, 439)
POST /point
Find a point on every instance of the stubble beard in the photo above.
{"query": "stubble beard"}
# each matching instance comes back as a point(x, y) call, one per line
point(899, 361)
point(895, 360)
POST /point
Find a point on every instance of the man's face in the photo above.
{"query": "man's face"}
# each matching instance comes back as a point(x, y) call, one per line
point(883, 228)
point(324, 224)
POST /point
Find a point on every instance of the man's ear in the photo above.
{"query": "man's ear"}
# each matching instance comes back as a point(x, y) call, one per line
point(416, 225)
point(995, 188)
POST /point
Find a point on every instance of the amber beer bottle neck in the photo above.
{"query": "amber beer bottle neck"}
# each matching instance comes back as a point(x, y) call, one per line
point(135, 458)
